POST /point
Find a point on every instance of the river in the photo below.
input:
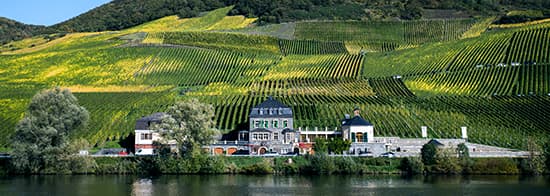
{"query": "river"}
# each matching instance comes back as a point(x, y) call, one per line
point(273, 185)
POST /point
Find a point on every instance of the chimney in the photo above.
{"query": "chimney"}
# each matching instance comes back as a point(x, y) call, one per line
point(357, 111)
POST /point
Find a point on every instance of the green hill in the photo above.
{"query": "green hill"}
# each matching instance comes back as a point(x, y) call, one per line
point(444, 74)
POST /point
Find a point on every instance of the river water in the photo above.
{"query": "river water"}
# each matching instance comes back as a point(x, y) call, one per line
point(227, 185)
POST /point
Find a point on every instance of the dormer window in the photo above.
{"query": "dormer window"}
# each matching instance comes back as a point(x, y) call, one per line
point(280, 110)
point(271, 111)
point(261, 112)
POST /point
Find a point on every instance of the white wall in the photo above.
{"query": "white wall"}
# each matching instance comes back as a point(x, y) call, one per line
point(364, 129)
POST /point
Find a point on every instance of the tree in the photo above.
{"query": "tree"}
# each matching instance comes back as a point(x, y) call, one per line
point(320, 146)
point(338, 145)
point(41, 138)
point(428, 153)
point(534, 164)
point(464, 157)
point(190, 123)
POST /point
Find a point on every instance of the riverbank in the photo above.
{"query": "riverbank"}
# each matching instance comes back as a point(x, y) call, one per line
point(307, 165)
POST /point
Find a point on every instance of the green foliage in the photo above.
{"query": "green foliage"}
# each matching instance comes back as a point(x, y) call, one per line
point(322, 164)
point(446, 162)
point(412, 165)
point(428, 153)
point(534, 164)
point(320, 146)
point(338, 145)
point(41, 140)
point(190, 123)
point(495, 166)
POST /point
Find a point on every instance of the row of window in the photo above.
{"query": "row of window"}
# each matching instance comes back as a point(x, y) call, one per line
point(271, 111)
point(146, 136)
point(265, 136)
point(274, 124)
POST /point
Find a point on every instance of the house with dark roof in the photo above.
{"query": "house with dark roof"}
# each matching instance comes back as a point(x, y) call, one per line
point(145, 136)
point(357, 129)
point(271, 128)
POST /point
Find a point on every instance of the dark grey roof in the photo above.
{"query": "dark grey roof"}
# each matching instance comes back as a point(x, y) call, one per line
point(271, 108)
point(145, 122)
point(356, 121)
point(435, 142)
point(271, 103)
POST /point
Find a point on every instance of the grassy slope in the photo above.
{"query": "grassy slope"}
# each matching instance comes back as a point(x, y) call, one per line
point(235, 71)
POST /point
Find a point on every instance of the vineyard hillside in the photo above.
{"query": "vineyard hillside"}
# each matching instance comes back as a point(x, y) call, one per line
point(440, 73)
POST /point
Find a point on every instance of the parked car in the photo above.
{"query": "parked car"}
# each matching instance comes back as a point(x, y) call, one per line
point(241, 153)
point(387, 154)
point(366, 154)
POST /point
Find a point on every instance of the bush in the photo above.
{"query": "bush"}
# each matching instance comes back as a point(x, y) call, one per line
point(412, 165)
point(345, 165)
point(445, 163)
point(214, 165)
point(495, 166)
point(259, 168)
point(428, 153)
point(322, 164)
point(117, 165)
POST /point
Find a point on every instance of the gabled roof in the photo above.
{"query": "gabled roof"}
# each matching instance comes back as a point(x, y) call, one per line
point(271, 108)
point(271, 103)
point(356, 121)
point(144, 122)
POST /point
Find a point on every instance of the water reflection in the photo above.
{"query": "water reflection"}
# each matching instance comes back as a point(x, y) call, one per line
point(273, 185)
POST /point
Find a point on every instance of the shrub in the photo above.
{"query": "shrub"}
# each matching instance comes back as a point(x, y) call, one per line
point(322, 164)
point(259, 168)
point(412, 165)
point(495, 166)
point(428, 153)
point(345, 165)
point(216, 165)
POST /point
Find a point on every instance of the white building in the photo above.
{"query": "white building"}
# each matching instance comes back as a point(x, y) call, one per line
point(144, 136)
point(357, 129)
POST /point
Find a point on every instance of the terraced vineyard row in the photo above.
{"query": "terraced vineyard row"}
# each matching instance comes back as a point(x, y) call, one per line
point(419, 32)
point(225, 41)
point(529, 47)
point(185, 66)
point(316, 67)
point(384, 36)
point(393, 87)
point(311, 47)
point(347, 87)
point(481, 82)
point(486, 51)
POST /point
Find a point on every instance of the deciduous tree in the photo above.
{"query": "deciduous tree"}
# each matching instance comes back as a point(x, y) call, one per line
point(191, 124)
point(42, 136)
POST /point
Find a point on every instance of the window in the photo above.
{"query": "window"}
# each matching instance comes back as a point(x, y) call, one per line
point(266, 124)
point(280, 110)
point(275, 124)
point(261, 111)
point(359, 137)
point(266, 136)
point(275, 136)
point(255, 136)
point(285, 123)
point(146, 136)
point(271, 111)
point(257, 123)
